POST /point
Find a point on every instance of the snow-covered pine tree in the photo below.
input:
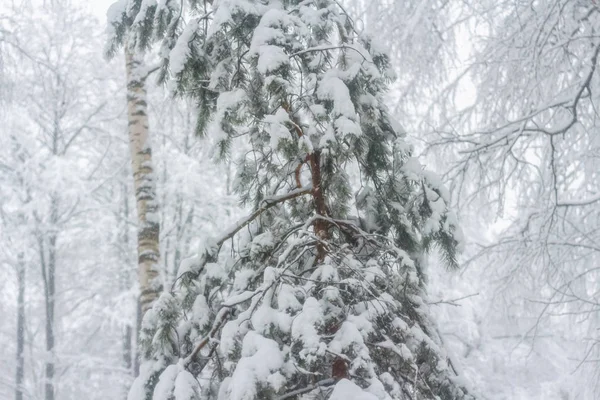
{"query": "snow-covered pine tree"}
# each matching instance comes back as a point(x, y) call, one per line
point(323, 293)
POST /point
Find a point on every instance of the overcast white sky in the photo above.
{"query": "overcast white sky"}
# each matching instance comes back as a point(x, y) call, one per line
point(99, 7)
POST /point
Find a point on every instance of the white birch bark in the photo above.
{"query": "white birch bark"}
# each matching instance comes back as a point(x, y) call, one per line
point(144, 183)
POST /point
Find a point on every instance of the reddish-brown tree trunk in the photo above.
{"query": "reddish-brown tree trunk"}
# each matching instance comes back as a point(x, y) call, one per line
point(314, 160)
point(320, 225)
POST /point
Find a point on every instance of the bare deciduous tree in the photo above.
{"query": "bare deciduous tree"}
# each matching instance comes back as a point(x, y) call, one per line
point(527, 145)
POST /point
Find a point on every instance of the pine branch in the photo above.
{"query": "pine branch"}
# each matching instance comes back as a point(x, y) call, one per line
point(322, 383)
point(268, 203)
point(217, 325)
point(231, 231)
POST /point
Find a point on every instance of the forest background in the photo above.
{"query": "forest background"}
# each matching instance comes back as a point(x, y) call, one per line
point(500, 97)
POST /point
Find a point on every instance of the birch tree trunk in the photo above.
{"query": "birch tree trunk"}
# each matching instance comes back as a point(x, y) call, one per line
point(144, 183)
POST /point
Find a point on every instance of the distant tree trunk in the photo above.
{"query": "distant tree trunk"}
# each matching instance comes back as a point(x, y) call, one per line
point(50, 306)
point(47, 250)
point(128, 348)
point(166, 240)
point(20, 328)
point(145, 183)
point(138, 327)
point(127, 354)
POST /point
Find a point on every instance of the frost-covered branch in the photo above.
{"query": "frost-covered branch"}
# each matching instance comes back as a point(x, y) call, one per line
point(268, 203)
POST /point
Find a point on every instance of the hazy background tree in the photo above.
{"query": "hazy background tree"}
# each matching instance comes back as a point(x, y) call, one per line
point(528, 150)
